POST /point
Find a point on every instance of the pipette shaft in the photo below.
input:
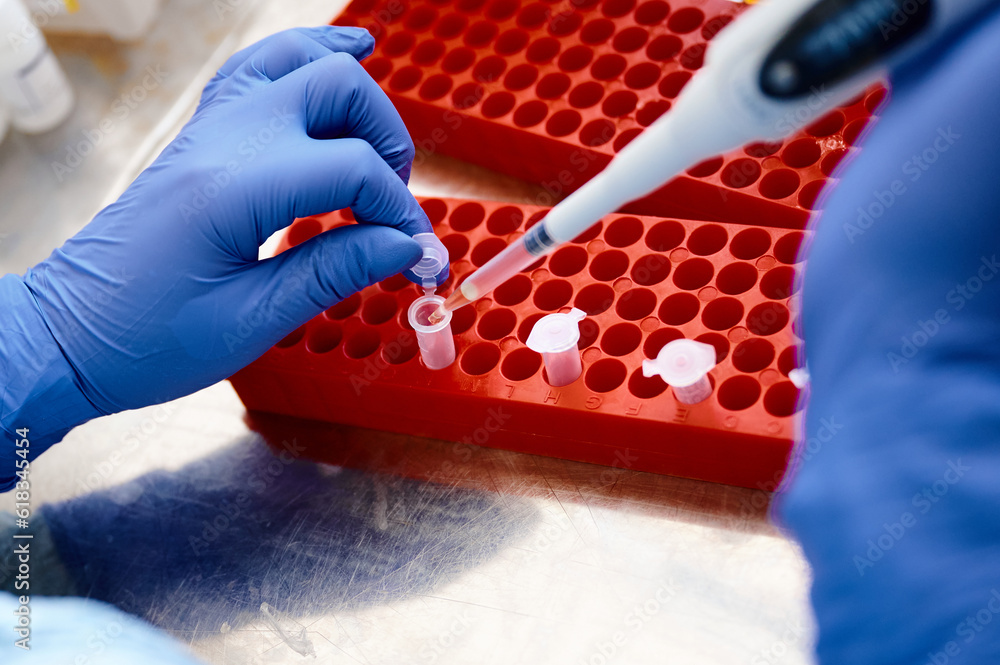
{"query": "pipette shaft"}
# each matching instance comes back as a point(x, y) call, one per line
point(776, 69)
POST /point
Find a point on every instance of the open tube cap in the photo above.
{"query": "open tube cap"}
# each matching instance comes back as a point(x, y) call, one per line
point(681, 363)
point(555, 333)
point(432, 268)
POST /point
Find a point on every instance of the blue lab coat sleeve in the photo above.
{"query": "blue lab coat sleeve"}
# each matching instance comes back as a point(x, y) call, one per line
point(81, 630)
point(896, 499)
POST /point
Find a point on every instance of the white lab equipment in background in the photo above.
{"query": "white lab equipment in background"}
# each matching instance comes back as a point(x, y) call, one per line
point(32, 83)
point(119, 19)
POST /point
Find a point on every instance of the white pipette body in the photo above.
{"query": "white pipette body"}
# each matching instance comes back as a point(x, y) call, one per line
point(723, 107)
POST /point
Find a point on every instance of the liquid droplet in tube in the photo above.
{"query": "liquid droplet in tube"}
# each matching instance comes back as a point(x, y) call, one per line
point(434, 337)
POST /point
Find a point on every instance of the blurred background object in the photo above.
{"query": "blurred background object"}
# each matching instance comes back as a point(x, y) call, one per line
point(32, 83)
point(119, 19)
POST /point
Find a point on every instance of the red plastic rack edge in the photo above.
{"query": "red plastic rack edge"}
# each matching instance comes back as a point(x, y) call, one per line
point(643, 281)
point(571, 83)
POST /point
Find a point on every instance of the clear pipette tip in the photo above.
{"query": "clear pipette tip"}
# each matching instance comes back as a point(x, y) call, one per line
point(454, 301)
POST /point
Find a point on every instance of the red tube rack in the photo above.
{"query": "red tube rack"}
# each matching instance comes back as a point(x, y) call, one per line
point(642, 280)
point(549, 92)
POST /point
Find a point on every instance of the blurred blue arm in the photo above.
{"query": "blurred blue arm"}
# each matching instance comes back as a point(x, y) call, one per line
point(897, 503)
point(80, 630)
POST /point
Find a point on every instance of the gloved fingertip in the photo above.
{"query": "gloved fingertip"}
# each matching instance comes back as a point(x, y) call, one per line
point(348, 39)
point(397, 253)
point(368, 43)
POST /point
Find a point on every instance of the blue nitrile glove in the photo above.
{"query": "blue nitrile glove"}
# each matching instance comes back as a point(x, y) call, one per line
point(897, 498)
point(162, 293)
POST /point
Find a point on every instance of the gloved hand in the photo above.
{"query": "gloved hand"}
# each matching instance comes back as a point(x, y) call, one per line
point(162, 293)
point(896, 500)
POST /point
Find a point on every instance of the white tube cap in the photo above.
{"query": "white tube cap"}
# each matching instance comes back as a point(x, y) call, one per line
point(433, 262)
point(555, 333)
point(799, 377)
point(681, 363)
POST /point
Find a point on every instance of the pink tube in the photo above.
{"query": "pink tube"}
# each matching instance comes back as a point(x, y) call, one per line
point(563, 368)
point(436, 342)
point(555, 336)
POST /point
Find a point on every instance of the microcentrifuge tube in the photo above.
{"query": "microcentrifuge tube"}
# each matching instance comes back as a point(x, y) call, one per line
point(433, 262)
point(555, 337)
point(437, 345)
point(683, 364)
point(799, 377)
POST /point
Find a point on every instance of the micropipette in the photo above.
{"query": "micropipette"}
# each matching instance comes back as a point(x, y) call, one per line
point(777, 68)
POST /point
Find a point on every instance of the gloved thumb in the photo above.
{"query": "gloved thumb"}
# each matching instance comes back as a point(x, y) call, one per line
point(324, 270)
